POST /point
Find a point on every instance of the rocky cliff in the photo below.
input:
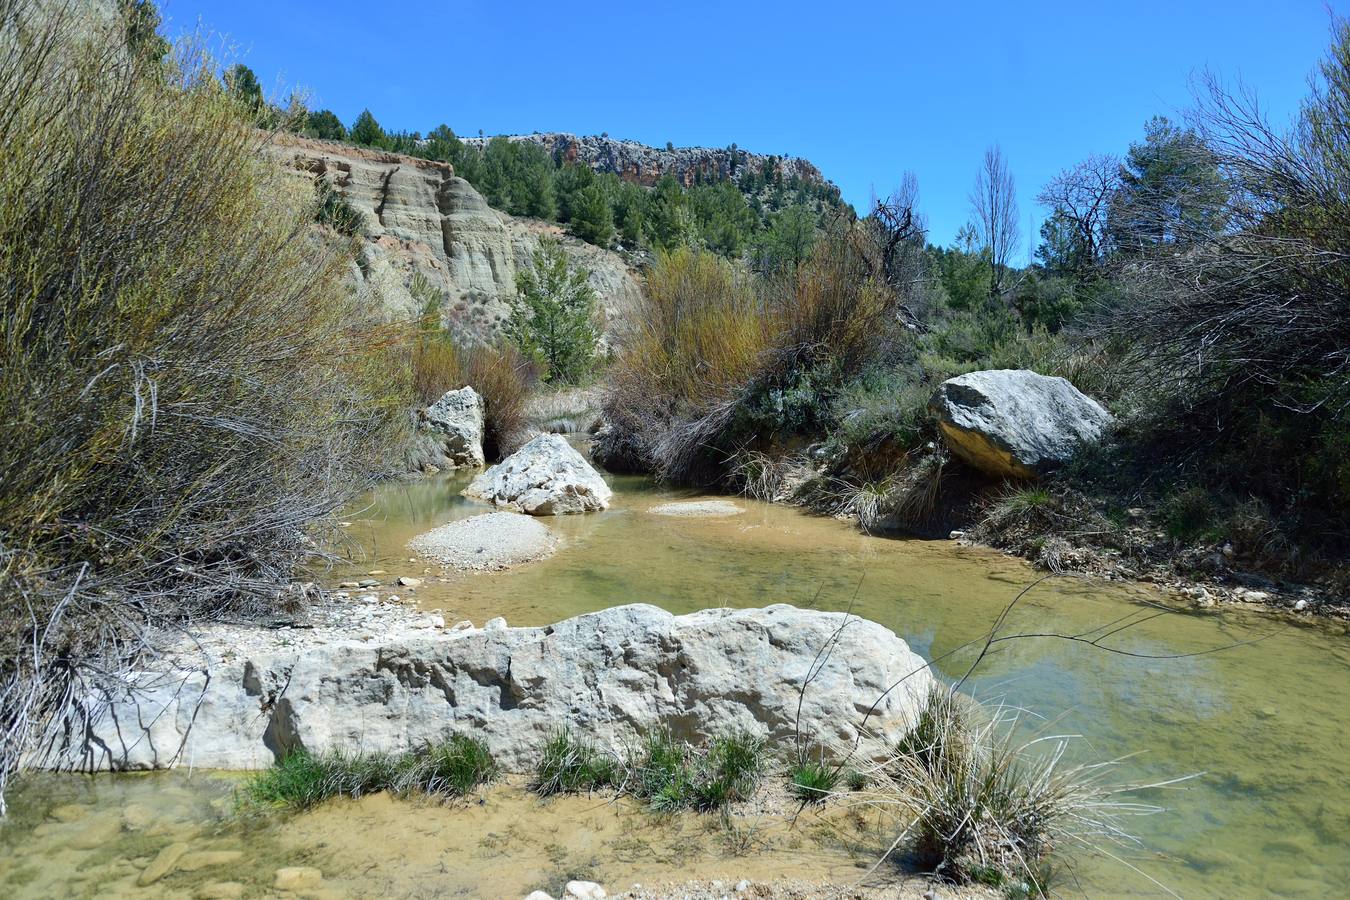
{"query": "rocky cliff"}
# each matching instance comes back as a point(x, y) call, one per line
point(646, 165)
point(430, 235)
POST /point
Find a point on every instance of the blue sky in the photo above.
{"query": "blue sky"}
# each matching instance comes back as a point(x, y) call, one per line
point(864, 90)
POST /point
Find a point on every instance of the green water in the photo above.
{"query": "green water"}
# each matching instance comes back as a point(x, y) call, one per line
point(1263, 725)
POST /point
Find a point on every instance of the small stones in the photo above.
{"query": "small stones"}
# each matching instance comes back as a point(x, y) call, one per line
point(957, 536)
point(368, 582)
point(462, 625)
point(376, 572)
point(497, 624)
point(406, 581)
point(297, 878)
point(437, 621)
point(742, 886)
point(348, 585)
point(1301, 605)
point(367, 598)
point(584, 890)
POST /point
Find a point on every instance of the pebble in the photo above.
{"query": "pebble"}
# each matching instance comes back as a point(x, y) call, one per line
point(437, 621)
point(538, 895)
point(584, 890)
point(495, 625)
point(407, 581)
point(1301, 605)
point(462, 625)
point(349, 585)
point(377, 572)
point(956, 535)
point(742, 886)
point(368, 582)
point(368, 598)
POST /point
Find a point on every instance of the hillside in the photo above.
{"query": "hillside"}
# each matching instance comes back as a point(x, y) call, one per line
point(430, 236)
point(646, 165)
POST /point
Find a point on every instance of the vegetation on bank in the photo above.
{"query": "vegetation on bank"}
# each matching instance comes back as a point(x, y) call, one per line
point(190, 389)
point(449, 769)
point(1195, 285)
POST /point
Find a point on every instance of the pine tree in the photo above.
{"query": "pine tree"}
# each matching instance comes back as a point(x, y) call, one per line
point(593, 217)
point(554, 315)
point(366, 131)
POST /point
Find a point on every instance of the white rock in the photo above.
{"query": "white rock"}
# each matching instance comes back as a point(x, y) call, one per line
point(1301, 605)
point(584, 890)
point(538, 895)
point(462, 625)
point(457, 422)
point(1014, 422)
point(546, 477)
point(405, 581)
point(497, 624)
point(611, 675)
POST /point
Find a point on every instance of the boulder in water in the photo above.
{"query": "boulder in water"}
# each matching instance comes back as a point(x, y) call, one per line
point(1014, 423)
point(611, 676)
point(456, 420)
point(546, 477)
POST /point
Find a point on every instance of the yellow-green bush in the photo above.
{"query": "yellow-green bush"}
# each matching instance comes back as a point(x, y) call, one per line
point(188, 389)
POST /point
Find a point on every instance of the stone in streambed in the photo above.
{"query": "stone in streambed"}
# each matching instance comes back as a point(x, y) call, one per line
point(546, 477)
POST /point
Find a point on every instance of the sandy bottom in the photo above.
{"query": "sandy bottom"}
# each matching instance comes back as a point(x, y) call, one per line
point(494, 540)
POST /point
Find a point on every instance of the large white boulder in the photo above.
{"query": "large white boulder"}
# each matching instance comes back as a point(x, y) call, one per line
point(611, 676)
point(1014, 423)
point(546, 477)
point(456, 421)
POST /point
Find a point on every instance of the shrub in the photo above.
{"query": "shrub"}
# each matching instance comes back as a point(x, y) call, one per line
point(983, 805)
point(189, 390)
point(500, 374)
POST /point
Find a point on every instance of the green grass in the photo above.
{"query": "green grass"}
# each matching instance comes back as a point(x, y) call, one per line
point(302, 780)
point(667, 773)
point(571, 765)
point(812, 780)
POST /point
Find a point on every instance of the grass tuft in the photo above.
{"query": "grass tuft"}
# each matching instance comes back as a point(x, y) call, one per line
point(302, 780)
point(571, 765)
point(813, 780)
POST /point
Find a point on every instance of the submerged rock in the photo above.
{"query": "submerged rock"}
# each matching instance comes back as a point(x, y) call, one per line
point(697, 509)
point(456, 421)
point(612, 675)
point(1014, 422)
point(546, 477)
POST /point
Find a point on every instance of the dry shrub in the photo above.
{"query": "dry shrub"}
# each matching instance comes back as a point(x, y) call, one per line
point(987, 800)
point(187, 386)
point(721, 363)
point(701, 339)
point(500, 373)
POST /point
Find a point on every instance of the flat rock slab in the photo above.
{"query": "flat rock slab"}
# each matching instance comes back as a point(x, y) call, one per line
point(697, 509)
point(612, 676)
point(495, 540)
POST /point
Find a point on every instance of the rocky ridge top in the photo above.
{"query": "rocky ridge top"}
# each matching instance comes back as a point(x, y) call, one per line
point(646, 165)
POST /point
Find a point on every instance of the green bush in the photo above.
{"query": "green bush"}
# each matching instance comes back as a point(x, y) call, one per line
point(554, 319)
point(813, 780)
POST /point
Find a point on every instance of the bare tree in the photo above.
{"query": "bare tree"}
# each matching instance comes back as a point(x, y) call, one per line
point(1081, 195)
point(994, 202)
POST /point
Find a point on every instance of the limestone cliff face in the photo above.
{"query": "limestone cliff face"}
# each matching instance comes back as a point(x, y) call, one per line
point(646, 165)
point(430, 235)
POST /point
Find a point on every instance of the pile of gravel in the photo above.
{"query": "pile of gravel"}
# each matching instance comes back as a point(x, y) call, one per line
point(494, 540)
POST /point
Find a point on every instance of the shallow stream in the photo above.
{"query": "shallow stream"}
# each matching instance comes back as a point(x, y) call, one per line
point(1263, 725)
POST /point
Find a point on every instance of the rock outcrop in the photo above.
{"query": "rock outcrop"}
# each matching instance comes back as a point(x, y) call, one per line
point(546, 477)
point(610, 675)
point(456, 423)
point(1014, 423)
point(646, 165)
point(431, 236)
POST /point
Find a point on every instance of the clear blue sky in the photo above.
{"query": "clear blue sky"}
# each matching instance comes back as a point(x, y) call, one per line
point(864, 90)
